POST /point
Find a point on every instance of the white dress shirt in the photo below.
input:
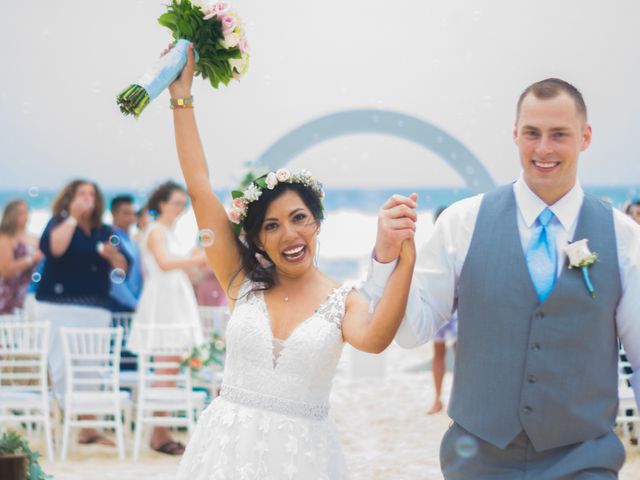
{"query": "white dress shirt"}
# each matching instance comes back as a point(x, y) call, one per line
point(434, 289)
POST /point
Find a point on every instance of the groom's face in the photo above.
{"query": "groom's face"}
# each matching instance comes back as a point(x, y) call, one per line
point(550, 134)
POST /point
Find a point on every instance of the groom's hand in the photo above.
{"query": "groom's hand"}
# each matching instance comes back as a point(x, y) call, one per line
point(396, 223)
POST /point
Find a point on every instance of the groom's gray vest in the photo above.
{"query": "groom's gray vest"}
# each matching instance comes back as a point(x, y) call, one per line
point(549, 369)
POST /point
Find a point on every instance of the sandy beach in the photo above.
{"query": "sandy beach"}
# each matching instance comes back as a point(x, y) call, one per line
point(381, 421)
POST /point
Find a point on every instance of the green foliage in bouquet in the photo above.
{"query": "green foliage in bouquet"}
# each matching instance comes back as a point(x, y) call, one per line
point(12, 443)
point(185, 22)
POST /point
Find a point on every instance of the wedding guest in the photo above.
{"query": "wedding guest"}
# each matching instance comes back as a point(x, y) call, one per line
point(633, 210)
point(535, 390)
point(126, 292)
point(19, 256)
point(76, 279)
point(167, 297)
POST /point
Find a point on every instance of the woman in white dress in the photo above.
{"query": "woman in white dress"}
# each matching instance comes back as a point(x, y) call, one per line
point(167, 297)
point(288, 326)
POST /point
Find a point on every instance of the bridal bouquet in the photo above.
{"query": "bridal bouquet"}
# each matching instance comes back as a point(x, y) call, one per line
point(219, 42)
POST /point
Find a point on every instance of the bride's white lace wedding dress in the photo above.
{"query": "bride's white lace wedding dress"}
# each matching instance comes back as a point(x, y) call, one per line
point(270, 421)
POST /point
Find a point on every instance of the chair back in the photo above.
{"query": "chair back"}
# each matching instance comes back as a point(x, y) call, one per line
point(23, 356)
point(161, 363)
point(92, 359)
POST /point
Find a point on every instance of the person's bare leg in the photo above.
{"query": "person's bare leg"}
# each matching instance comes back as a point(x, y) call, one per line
point(161, 436)
point(91, 435)
point(439, 351)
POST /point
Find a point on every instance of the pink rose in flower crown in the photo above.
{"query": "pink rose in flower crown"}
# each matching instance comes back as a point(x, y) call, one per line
point(271, 180)
point(234, 216)
point(238, 204)
point(283, 175)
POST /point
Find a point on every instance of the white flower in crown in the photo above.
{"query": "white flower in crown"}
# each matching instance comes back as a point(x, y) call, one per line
point(271, 180)
point(252, 193)
point(579, 254)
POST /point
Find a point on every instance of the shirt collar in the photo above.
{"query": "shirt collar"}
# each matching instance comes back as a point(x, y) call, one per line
point(530, 205)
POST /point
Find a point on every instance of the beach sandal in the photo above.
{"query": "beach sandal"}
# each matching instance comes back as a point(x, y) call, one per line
point(171, 448)
point(97, 439)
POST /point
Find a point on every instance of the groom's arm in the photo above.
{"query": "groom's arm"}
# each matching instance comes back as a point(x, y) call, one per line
point(433, 287)
point(627, 318)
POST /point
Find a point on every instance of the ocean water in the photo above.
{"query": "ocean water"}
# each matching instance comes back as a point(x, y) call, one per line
point(348, 232)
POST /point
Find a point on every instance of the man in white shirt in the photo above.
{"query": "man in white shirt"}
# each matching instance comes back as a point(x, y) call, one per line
point(535, 388)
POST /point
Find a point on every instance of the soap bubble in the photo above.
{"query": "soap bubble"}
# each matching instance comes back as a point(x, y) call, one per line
point(466, 446)
point(206, 238)
point(36, 277)
point(114, 240)
point(118, 276)
point(33, 192)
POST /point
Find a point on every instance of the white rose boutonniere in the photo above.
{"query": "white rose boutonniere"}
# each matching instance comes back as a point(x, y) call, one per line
point(581, 257)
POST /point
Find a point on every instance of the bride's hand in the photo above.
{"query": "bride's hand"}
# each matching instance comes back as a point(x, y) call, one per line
point(181, 87)
point(408, 251)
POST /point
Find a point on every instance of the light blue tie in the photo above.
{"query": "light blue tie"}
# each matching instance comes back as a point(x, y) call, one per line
point(542, 256)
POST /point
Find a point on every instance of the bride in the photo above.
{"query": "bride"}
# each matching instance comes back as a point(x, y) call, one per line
point(288, 326)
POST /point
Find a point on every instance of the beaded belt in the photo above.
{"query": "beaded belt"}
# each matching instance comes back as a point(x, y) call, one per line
point(273, 404)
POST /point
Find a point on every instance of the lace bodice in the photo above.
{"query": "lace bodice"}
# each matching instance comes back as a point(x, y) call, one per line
point(304, 364)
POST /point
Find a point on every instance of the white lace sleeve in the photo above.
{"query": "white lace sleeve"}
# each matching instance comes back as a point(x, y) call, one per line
point(333, 309)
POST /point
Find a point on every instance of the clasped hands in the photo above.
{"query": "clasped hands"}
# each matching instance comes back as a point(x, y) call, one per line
point(396, 229)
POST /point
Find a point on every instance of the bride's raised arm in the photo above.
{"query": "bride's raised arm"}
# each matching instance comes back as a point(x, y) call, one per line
point(224, 255)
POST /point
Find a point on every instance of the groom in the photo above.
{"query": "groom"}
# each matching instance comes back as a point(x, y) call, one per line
point(535, 385)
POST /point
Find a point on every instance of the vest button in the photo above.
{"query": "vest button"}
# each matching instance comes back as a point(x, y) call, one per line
point(527, 410)
point(535, 347)
point(532, 379)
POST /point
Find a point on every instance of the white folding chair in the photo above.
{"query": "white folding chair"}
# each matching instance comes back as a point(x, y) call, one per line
point(24, 392)
point(11, 317)
point(628, 414)
point(128, 377)
point(214, 320)
point(179, 402)
point(92, 363)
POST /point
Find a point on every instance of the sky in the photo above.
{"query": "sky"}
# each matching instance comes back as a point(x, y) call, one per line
point(458, 64)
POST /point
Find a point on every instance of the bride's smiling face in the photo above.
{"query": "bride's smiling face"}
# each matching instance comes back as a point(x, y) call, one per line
point(289, 233)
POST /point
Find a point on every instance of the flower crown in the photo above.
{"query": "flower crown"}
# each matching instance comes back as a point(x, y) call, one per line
point(242, 198)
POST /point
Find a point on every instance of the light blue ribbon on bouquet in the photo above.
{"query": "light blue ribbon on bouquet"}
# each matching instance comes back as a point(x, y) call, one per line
point(166, 70)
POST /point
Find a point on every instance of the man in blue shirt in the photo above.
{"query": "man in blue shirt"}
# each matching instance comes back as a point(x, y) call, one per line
point(125, 292)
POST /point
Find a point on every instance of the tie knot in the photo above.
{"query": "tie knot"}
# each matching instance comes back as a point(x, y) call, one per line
point(545, 217)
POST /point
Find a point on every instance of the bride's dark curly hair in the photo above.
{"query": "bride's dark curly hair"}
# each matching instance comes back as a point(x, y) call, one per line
point(263, 277)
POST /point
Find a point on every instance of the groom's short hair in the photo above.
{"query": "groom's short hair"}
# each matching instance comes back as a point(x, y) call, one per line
point(551, 88)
